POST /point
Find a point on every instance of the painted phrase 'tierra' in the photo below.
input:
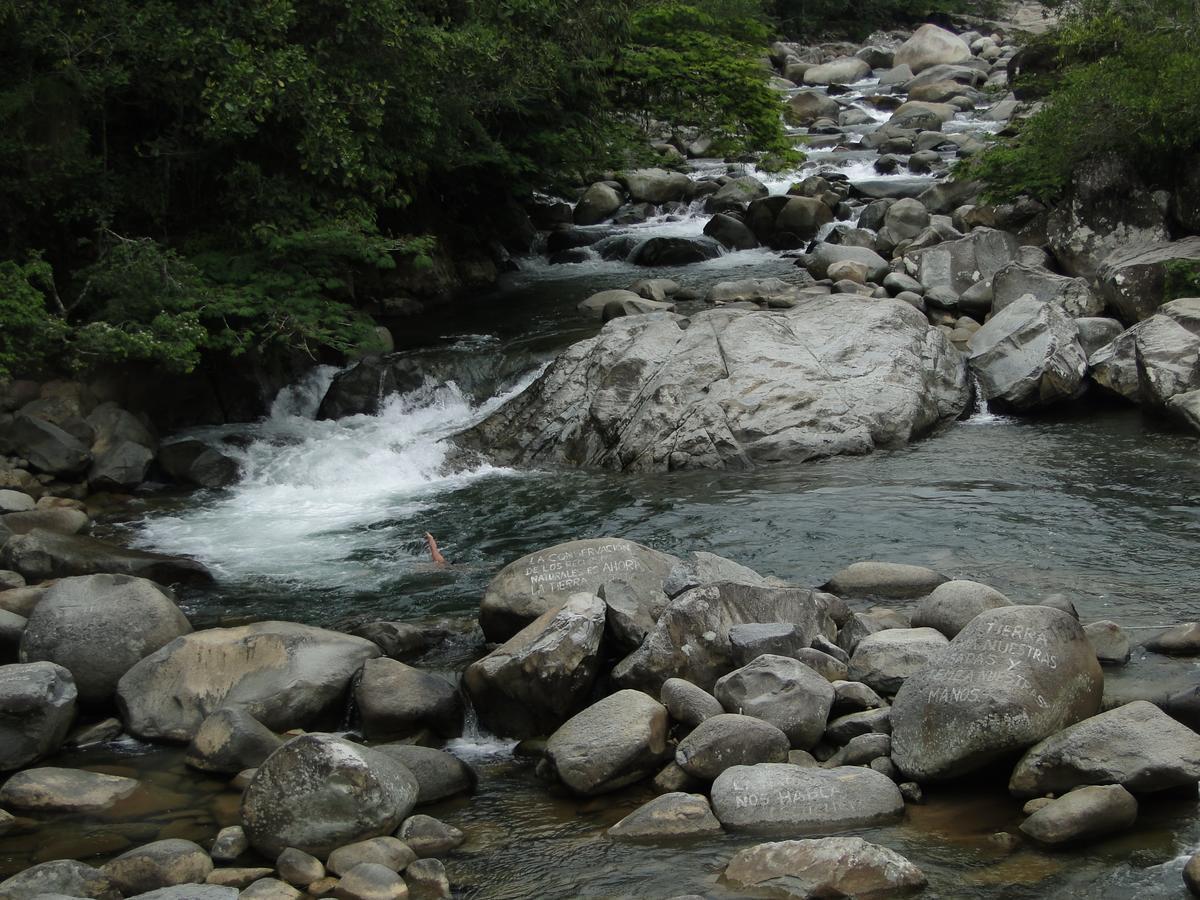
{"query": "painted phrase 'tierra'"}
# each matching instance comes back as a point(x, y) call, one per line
point(1004, 655)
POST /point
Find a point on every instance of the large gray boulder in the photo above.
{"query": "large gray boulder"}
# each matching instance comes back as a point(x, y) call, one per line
point(950, 606)
point(669, 816)
point(730, 739)
point(654, 185)
point(699, 567)
point(1133, 278)
point(285, 675)
point(98, 626)
point(194, 462)
point(1136, 745)
point(395, 700)
point(1155, 360)
point(157, 865)
point(883, 660)
point(46, 446)
point(122, 450)
point(1072, 294)
point(37, 706)
point(1108, 208)
point(843, 70)
point(604, 304)
point(788, 799)
point(824, 867)
point(318, 792)
point(525, 589)
point(1089, 812)
point(961, 264)
point(825, 255)
point(439, 774)
point(873, 578)
point(721, 389)
point(1012, 677)
point(1028, 356)
point(612, 743)
point(544, 674)
point(43, 554)
point(230, 741)
point(805, 107)
point(52, 789)
point(735, 194)
point(931, 46)
point(688, 704)
point(782, 691)
point(691, 639)
point(597, 204)
point(59, 878)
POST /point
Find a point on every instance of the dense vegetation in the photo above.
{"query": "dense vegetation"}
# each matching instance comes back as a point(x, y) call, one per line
point(811, 18)
point(1126, 80)
point(180, 178)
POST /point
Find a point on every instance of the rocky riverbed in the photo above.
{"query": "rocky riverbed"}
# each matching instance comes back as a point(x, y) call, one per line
point(645, 717)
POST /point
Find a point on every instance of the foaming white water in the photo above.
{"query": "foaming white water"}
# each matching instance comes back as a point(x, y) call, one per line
point(313, 493)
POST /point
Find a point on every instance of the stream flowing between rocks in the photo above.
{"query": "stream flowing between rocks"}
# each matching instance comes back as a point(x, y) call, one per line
point(325, 526)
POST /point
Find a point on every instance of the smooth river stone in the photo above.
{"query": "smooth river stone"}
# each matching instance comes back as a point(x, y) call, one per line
point(525, 589)
point(783, 798)
point(1012, 677)
point(824, 867)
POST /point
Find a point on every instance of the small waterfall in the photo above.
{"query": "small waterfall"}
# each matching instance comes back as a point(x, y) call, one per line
point(476, 743)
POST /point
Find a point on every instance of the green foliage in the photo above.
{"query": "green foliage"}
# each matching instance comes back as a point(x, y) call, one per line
point(1181, 279)
point(1127, 85)
point(30, 330)
point(697, 65)
point(857, 18)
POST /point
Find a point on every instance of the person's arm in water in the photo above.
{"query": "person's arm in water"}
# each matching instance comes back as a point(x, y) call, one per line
point(434, 552)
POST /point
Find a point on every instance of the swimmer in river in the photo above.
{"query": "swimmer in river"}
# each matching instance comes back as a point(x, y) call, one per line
point(434, 552)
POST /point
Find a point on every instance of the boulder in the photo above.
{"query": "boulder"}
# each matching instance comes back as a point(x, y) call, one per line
point(854, 696)
point(61, 877)
point(931, 46)
point(44, 554)
point(1015, 280)
point(803, 217)
point(598, 203)
point(318, 792)
point(774, 293)
point(699, 567)
point(730, 233)
point(229, 741)
point(749, 642)
point(950, 606)
point(37, 706)
point(1133, 277)
point(1012, 677)
point(15, 501)
point(780, 797)
point(426, 880)
point(805, 107)
point(439, 774)
point(46, 446)
point(960, 264)
point(299, 868)
point(1179, 640)
point(397, 700)
point(844, 729)
point(284, 674)
point(382, 851)
point(542, 675)
point(428, 836)
point(782, 691)
point(525, 589)
point(1028, 356)
point(1191, 874)
point(1136, 745)
point(718, 390)
point(229, 844)
point(654, 185)
point(98, 627)
point(58, 520)
point(158, 865)
point(688, 704)
point(1108, 208)
point(885, 659)
point(262, 889)
point(824, 664)
point(194, 462)
point(57, 790)
point(1096, 332)
point(730, 739)
point(824, 867)
point(1155, 360)
point(668, 816)
point(1109, 641)
point(843, 70)
point(691, 638)
point(1089, 812)
point(735, 194)
point(399, 640)
point(675, 251)
point(603, 305)
point(884, 579)
point(615, 742)
point(371, 881)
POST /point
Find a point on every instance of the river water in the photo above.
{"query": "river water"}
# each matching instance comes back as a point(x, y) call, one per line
point(325, 527)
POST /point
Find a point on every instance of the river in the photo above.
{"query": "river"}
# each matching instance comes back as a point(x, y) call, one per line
point(325, 526)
